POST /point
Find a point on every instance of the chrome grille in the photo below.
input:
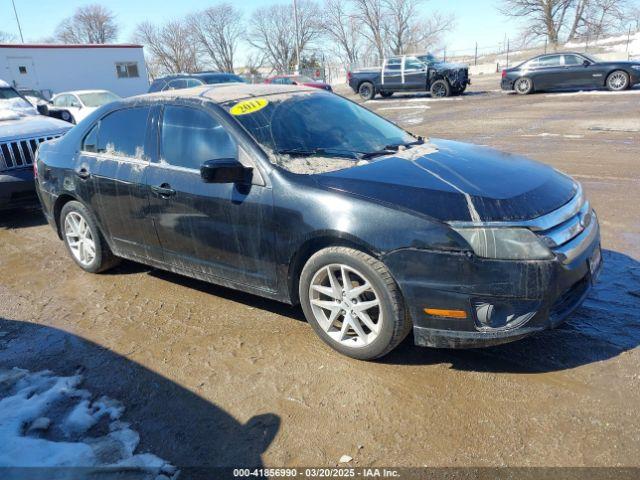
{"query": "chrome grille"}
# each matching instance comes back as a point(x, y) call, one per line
point(20, 153)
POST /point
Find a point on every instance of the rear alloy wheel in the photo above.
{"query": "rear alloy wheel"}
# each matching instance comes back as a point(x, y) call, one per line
point(523, 86)
point(353, 303)
point(440, 89)
point(618, 81)
point(83, 239)
point(67, 117)
point(366, 91)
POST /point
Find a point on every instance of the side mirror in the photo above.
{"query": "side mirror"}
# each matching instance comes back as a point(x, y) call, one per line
point(43, 109)
point(225, 170)
point(586, 63)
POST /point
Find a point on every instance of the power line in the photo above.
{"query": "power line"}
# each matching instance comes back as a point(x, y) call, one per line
point(17, 20)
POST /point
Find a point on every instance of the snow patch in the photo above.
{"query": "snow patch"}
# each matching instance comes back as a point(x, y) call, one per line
point(593, 92)
point(35, 432)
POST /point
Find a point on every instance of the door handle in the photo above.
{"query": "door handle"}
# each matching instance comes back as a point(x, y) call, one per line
point(164, 190)
point(83, 173)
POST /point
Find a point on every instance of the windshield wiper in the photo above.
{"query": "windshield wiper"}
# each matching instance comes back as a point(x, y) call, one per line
point(309, 152)
point(389, 149)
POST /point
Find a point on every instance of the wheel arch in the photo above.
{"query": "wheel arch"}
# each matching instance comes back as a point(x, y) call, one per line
point(59, 204)
point(313, 245)
point(618, 69)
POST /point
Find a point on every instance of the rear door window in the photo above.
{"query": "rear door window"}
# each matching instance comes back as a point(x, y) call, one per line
point(550, 61)
point(191, 137)
point(122, 133)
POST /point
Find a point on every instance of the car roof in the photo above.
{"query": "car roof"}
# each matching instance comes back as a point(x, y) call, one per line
point(77, 92)
point(174, 76)
point(226, 92)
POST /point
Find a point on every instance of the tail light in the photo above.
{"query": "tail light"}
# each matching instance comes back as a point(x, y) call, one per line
point(504, 73)
point(348, 76)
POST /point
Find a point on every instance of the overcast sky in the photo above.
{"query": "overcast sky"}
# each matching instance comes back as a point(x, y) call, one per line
point(477, 20)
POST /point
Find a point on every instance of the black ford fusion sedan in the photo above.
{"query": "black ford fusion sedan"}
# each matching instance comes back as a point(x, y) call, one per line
point(563, 71)
point(302, 196)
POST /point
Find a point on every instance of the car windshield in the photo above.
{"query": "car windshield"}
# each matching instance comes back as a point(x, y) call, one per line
point(317, 132)
point(11, 100)
point(428, 58)
point(97, 99)
point(221, 78)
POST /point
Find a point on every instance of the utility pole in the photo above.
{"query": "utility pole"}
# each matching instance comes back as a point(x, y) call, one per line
point(295, 19)
point(17, 20)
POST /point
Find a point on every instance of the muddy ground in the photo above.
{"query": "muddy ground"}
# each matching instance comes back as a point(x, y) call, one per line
point(210, 376)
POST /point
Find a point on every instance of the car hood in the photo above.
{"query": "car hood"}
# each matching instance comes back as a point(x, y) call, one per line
point(457, 182)
point(22, 126)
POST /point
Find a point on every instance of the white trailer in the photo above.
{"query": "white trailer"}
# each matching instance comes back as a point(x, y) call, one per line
point(51, 68)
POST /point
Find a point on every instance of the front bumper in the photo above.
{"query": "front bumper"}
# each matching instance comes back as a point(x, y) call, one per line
point(17, 189)
point(537, 295)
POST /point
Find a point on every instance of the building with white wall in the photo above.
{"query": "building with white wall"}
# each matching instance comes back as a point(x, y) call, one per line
point(51, 68)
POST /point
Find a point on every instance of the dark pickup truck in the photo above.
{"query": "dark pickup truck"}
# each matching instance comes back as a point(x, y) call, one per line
point(419, 73)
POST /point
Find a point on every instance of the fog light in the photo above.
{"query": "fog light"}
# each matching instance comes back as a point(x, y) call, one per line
point(503, 315)
point(437, 312)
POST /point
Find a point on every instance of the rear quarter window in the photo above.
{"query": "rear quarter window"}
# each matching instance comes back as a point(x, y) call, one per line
point(123, 133)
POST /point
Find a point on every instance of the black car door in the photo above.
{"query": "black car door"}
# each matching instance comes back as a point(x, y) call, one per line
point(222, 230)
point(415, 74)
point(112, 165)
point(577, 74)
point(548, 72)
point(392, 75)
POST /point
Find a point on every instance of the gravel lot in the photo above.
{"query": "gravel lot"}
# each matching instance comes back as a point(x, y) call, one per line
point(209, 376)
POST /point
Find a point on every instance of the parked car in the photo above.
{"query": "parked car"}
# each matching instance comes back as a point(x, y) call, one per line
point(189, 80)
point(569, 70)
point(298, 80)
point(302, 196)
point(22, 130)
point(77, 105)
point(410, 74)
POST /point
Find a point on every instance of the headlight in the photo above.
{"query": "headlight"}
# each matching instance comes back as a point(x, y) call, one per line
point(505, 243)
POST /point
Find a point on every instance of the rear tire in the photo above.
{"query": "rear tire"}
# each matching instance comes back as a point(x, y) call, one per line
point(366, 91)
point(440, 89)
point(523, 86)
point(83, 239)
point(618, 81)
point(365, 320)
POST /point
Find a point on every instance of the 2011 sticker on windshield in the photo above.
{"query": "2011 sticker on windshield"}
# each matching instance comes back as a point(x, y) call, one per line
point(249, 106)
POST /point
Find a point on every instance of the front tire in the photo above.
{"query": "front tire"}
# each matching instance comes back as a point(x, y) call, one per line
point(618, 81)
point(353, 303)
point(83, 239)
point(440, 89)
point(366, 91)
point(523, 86)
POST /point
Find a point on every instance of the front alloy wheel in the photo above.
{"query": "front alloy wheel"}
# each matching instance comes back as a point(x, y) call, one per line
point(618, 81)
point(345, 305)
point(353, 303)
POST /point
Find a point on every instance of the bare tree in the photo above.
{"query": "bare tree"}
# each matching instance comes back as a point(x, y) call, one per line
point(170, 47)
point(341, 26)
point(371, 14)
point(602, 17)
point(545, 17)
point(407, 30)
point(89, 24)
point(7, 37)
point(218, 30)
point(271, 31)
